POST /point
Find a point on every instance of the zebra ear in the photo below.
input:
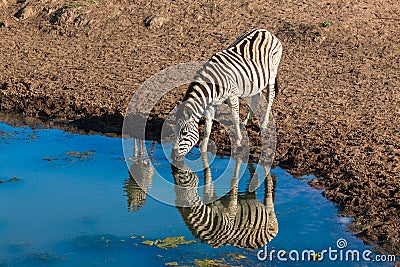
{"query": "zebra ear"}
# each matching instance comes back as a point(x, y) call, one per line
point(187, 113)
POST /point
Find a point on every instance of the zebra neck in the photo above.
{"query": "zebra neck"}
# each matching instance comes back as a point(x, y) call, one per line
point(197, 98)
point(187, 196)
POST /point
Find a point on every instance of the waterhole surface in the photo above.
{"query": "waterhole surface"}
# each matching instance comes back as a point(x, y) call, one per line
point(69, 200)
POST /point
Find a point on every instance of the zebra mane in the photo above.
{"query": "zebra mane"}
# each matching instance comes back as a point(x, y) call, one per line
point(243, 36)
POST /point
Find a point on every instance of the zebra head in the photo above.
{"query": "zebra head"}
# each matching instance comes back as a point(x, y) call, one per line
point(186, 132)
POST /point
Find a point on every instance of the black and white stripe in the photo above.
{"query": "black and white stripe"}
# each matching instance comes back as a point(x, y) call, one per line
point(245, 69)
point(234, 219)
point(141, 174)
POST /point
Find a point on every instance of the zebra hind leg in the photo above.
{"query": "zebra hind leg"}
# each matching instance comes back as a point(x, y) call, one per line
point(270, 99)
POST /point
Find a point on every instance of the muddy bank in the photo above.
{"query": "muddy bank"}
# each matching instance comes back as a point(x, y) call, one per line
point(79, 63)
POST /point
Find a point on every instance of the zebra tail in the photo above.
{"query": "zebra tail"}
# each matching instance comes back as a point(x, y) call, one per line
point(276, 85)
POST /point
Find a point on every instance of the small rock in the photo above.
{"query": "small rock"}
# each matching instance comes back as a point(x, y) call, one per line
point(25, 12)
point(173, 263)
point(154, 22)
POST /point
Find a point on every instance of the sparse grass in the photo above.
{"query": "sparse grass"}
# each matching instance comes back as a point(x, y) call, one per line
point(77, 4)
point(74, 4)
point(326, 24)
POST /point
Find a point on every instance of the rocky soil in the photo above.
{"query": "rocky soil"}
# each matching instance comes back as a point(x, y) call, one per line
point(338, 114)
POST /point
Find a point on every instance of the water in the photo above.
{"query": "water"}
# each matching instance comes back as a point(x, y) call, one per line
point(76, 205)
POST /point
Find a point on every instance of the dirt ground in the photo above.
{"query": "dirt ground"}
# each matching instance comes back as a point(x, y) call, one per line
point(337, 116)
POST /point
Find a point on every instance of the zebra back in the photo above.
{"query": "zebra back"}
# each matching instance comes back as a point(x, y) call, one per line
point(244, 69)
point(251, 226)
point(257, 54)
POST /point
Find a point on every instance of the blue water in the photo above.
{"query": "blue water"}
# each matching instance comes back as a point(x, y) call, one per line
point(71, 209)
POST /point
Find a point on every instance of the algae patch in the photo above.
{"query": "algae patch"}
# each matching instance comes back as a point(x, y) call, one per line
point(14, 179)
point(208, 263)
point(98, 241)
point(74, 156)
point(169, 242)
point(236, 256)
point(80, 155)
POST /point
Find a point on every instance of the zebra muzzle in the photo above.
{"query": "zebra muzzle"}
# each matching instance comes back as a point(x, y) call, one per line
point(175, 155)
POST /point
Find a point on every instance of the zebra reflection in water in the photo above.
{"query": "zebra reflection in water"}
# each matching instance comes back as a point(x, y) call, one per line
point(141, 174)
point(235, 219)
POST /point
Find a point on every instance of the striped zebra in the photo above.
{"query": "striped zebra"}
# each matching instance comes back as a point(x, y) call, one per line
point(235, 219)
point(245, 69)
point(141, 174)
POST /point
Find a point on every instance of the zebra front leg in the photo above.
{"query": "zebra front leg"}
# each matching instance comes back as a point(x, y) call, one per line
point(270, 99)
point(141, 148)
point(269, 189)
point(233, 193)
point(209, 116)
point(209, 192)
point(233, 102)
point(135, 149)
point(253, 107)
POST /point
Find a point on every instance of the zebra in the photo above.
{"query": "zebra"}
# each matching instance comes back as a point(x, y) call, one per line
point(141, 174)
point(238, 220)
point(246, 68)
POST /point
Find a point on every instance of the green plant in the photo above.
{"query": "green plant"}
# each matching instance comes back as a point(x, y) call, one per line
point(326, 24)
point(74, 4)
point(77, 4)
